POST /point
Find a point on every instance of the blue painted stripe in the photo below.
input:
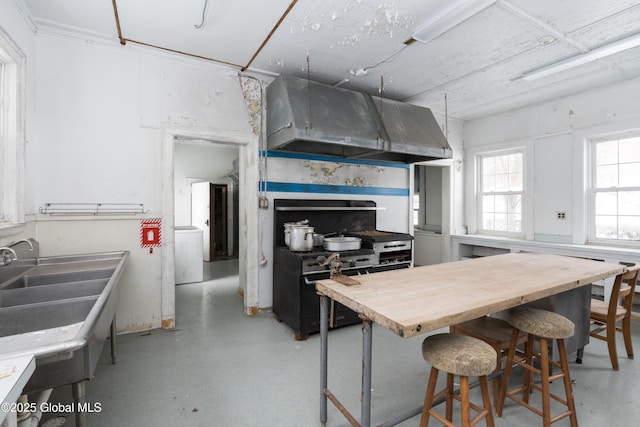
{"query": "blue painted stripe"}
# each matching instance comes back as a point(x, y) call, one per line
point(289, 187)
point(303, 156)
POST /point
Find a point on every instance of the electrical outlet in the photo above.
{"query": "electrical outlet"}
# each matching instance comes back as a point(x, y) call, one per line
point(263, 203)
point(562, 215)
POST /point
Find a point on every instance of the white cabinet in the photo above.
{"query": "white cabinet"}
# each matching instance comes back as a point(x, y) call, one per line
point(188, 260)
point(427, 248)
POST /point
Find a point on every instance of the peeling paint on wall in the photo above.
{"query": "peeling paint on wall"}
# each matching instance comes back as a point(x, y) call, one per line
point(251, 92)
point(327, 168)
point(335, 173)
point(357, 182)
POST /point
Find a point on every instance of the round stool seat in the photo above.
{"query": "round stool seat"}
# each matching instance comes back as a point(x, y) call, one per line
point(541, 323)
point(459, 354)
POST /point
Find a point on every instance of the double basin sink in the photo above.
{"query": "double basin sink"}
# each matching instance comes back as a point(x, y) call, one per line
point(60, 309)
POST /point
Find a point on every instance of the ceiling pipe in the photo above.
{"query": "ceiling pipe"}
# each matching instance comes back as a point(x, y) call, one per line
point(184, 53)
point(123, 41)
point(264, 43)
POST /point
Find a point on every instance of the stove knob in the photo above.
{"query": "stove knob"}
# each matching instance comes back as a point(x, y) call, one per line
point(352, 263)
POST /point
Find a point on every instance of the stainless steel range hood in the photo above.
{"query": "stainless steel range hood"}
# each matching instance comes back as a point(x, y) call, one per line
point(313, 118)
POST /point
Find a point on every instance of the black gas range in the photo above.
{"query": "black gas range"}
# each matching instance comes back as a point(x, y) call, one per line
point(295, 301)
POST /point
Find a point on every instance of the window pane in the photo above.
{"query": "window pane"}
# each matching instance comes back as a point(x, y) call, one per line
point(488, 203)
point(629, 203)
point(606, 203)
point(488, 165)
point(500, 222)
point(501, 203)
point(630, 175)
point(515, 203)
point(488, 220)
point(502, 164)
point(515, 182)
point(502, 182)
point(606, 153)
point(514, 222)
point(629, 150)
point(488, 183)
point(607, 176)
point(629, 227)
point(515, 163)
point(606, 227)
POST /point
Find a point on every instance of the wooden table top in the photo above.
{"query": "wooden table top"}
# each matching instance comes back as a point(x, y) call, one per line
point(414, 301)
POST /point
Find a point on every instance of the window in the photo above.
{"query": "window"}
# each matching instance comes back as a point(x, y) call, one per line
point(2, 130)
point(12, 131)
point(615, 191)
point(501, 192)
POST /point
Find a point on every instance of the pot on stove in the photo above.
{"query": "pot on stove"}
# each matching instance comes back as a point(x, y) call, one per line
point(287, 229)
point(301, 238)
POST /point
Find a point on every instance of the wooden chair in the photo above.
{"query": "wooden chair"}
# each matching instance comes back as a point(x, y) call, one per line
point(463, 356)
point(605, 317)
point(495, 332)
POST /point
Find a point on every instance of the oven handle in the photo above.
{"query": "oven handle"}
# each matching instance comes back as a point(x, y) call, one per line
point(396, 245)
point(313, 282)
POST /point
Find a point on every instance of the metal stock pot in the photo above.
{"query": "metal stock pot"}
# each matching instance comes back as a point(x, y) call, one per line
point(287, 229)
point(301, 238)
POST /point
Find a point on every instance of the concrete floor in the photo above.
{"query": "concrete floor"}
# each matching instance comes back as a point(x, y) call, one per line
point(220, 367)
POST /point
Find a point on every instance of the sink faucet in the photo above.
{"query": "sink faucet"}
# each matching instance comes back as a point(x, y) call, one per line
point(27, 241)
point(6, 256)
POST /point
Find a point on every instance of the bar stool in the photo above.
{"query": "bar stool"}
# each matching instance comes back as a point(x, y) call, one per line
point(463, 356)
point(545, 325)
point(495, 332)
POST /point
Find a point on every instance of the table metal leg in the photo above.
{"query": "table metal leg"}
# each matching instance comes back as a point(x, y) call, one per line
point(324, 346)
point(367, 337)
point(79, 392)
point(112, 339)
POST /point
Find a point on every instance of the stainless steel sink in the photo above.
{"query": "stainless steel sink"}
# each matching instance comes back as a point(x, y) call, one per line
point(20, 296)
point(19, 319)
point(34, 277)
point(9, 273)
point(60, 309)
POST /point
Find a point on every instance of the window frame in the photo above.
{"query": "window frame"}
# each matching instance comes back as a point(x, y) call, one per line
point(593, 190)
point(13, 139)
point(524, 218)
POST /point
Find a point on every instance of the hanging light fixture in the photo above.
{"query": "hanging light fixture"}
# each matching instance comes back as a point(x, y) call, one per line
point(584, 58)
point(448, 18)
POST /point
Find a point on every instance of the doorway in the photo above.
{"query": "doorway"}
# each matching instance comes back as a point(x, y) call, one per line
point(209, 212)
point(247, 176)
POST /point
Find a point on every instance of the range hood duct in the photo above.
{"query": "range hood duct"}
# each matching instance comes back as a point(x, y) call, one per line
point(313, 118)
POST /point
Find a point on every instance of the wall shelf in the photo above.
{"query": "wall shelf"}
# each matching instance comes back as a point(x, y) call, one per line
point(92, 209)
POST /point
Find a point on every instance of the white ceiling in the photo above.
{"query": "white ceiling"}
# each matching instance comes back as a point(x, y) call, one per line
point(361, 44)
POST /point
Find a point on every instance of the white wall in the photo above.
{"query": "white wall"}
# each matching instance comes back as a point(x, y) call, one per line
point(95, 127)
point(95, 113)
point(555, 133)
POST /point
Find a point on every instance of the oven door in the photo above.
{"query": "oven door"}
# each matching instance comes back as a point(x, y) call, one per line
point(339, 315)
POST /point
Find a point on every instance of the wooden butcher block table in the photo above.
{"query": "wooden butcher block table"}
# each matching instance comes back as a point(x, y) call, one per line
point(414, 301)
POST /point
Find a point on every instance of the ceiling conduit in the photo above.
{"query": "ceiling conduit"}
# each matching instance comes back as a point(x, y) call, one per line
point(123, 40)
point(273, 30)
